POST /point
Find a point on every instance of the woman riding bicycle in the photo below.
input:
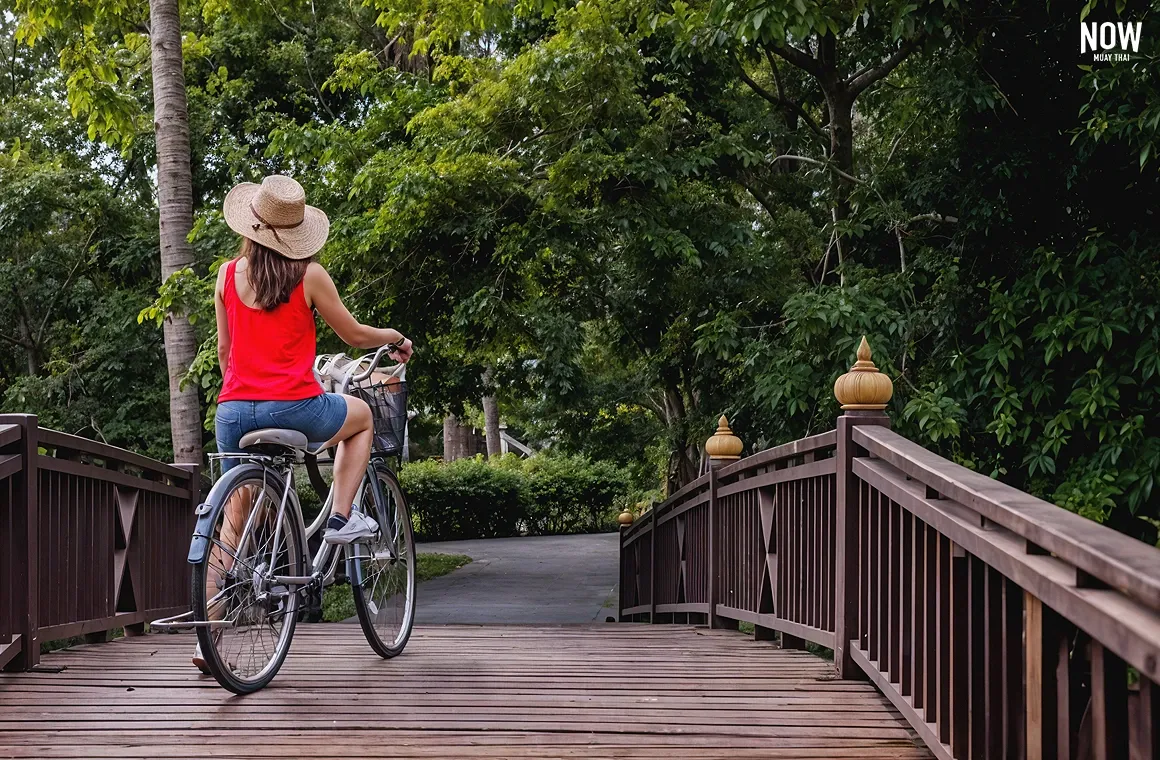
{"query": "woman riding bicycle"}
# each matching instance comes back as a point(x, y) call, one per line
point(265, 301)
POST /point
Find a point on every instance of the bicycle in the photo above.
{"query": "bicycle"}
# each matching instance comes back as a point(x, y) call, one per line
point(250, 545)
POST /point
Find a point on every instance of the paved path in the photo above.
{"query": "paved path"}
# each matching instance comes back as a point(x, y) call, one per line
point(546, 580)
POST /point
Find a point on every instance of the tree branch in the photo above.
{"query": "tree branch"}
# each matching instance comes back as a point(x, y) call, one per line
point(871, 74)
point(16, 341)
point(933, 218)
point(758, 196)
point(823, 164)
point(780, 101)
point(799, 58)
point(68, 281)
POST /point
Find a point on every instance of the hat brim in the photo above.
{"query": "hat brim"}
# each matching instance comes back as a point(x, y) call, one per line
point(300, 242)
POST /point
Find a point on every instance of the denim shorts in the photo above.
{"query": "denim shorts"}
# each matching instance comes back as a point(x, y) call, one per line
point(320, 418)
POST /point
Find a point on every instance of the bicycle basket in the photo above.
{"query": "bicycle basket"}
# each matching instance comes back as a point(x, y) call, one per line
point(388, 403)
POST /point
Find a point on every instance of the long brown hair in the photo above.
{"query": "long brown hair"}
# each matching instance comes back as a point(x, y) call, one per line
point(272, 276)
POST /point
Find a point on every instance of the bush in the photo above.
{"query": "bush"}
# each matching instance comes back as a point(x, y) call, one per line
point(508, 496)
point(569, 494)
point(463, 499)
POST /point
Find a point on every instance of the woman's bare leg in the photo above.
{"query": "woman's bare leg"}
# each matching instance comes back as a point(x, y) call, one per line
point(354, 440)
point(237, 513)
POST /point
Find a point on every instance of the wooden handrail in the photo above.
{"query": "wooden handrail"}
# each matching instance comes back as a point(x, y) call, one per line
point(9, 434)
point(86, 546)
point(54, 438)
point(785, 451)
point(998, 624)
point(1106, 554)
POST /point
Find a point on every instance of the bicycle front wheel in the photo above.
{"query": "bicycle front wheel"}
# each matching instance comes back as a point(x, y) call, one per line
point(251, 618)
point(382, 570)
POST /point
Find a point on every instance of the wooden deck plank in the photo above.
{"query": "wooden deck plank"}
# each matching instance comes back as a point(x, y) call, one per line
point(462, 691)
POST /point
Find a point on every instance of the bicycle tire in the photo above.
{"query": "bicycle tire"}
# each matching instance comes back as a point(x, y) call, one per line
point(224, 666)
point(369, 577)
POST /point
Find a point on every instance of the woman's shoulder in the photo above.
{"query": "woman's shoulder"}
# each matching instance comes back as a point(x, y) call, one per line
point(315, 274)
point(223, 271)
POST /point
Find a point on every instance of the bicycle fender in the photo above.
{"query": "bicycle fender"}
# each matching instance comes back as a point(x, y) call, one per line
point(199, 544)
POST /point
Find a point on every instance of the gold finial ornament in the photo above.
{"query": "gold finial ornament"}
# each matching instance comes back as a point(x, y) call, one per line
point(723, 444)
point(625, 518)
point(863, 387)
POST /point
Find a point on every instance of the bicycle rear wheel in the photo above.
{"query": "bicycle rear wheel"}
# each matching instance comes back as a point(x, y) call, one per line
point(254, 619)
point(382, 570)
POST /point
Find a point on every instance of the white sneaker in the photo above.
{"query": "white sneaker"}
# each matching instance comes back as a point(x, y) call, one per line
point(199, 660)
point(358, 528)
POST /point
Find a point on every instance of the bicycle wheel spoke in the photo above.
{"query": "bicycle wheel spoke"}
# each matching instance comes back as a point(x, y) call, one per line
point(384, 594)
point(248, 547)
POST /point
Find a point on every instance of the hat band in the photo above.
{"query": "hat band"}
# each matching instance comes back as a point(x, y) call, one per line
point(273, 227)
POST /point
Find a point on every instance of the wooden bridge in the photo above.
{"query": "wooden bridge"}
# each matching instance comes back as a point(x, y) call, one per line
point(966, 620)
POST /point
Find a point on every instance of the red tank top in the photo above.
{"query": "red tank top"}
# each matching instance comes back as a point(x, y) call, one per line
point(271, 352)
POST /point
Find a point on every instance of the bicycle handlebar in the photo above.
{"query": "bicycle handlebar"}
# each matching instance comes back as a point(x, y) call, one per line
point(354, 370)
point(387, 348)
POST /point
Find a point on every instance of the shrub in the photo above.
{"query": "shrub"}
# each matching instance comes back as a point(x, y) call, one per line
point(570, 494)
point(507, 496)
point(463, 499)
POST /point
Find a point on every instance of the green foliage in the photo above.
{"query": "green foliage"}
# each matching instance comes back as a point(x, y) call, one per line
point(569, 494)
point(463, 499)
point(507, 496)
point(587, 201)
point(338, 601)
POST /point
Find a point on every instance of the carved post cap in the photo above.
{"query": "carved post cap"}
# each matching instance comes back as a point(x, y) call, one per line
point(625, 518)
point(723, 445)
point(863, 387)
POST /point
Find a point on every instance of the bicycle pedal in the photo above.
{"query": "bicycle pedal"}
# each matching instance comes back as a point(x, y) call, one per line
point(312, 609)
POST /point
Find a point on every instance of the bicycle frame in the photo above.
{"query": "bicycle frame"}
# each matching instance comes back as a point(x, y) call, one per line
point(324, 565)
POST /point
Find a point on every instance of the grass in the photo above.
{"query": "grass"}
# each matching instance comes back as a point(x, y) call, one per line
point(338, 601)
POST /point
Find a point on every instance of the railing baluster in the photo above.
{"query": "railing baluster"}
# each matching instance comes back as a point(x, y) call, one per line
point(1013, 670)
point(993, 663)
point(931, 585)
point(1109, 705)
point(977, 664)
point(959, 683)
point(1145, 736)
point(918, 614)
point(944, 616)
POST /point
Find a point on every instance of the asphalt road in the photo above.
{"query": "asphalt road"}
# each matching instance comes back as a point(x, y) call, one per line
point(546, 580)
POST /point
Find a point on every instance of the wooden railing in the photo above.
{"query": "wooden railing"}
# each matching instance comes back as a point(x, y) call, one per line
point(999, 625)
point(92, 538)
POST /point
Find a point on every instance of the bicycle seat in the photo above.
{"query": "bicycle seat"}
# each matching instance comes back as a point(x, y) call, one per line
point(274, 440)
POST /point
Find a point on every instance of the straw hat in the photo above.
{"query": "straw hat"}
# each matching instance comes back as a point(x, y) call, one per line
point(275, 214)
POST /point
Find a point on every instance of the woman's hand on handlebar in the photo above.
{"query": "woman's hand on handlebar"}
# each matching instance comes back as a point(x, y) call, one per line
point(402, 351)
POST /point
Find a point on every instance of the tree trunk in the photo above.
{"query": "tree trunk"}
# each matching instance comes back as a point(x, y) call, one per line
point(452, 435)
point(491, 419)
point(491, 426)
point(175, 210)
point(31, 350)
point(841, 107)
point(682, 467)
point(459, 441)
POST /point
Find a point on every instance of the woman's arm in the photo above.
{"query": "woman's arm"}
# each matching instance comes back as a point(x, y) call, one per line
point(223, 325)
point(323, 295)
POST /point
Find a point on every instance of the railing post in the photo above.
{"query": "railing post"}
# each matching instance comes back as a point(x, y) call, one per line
point(863, 393)
point(714, 537)
point(27, 526)
point(624, 522)
point(652, 565)
point(722, 447)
